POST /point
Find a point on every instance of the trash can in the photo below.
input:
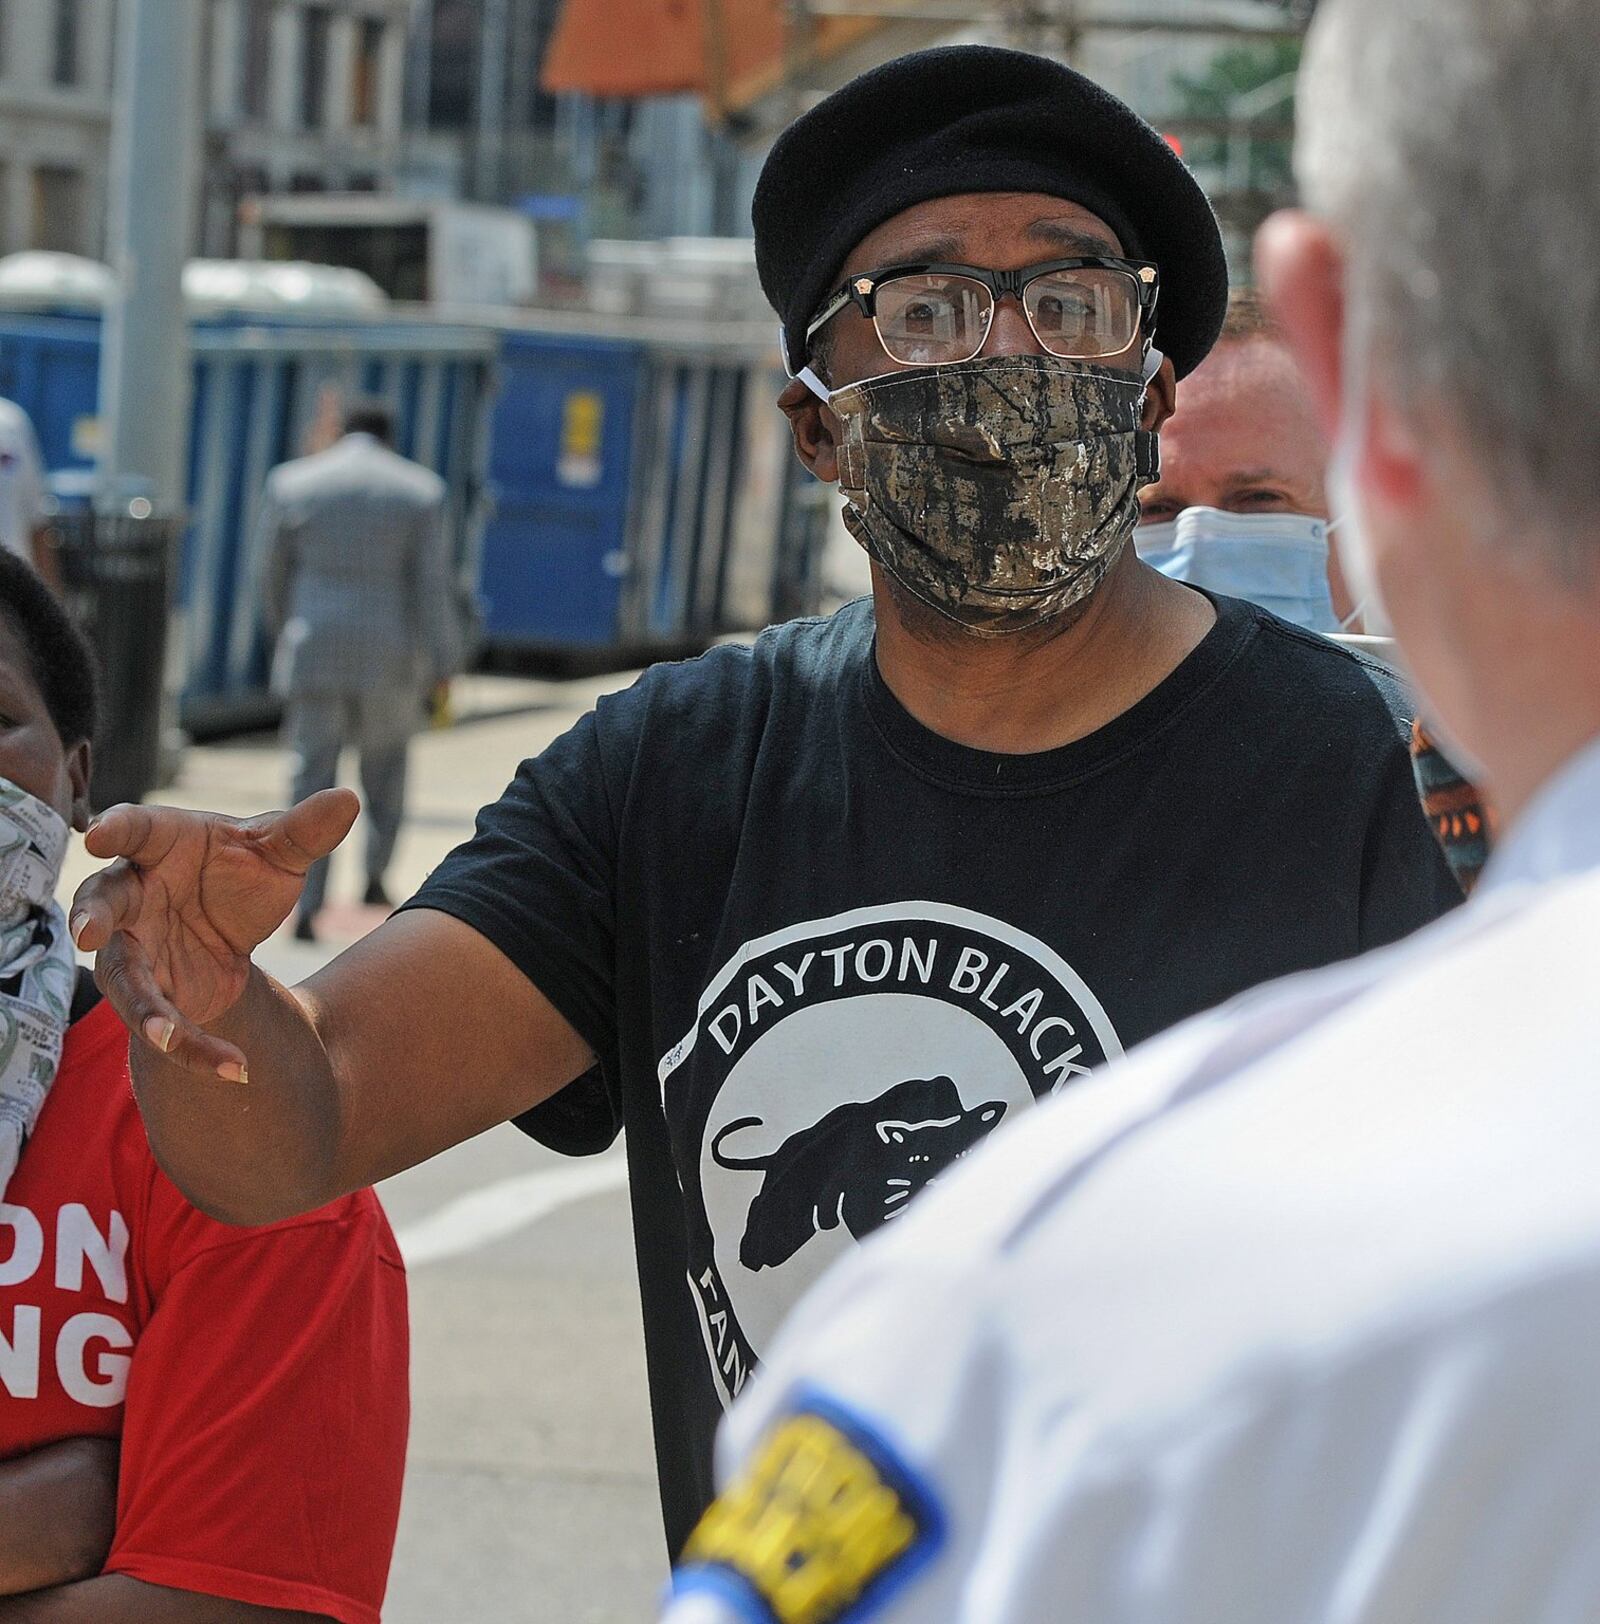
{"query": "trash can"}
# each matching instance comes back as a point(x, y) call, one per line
point(116, 571)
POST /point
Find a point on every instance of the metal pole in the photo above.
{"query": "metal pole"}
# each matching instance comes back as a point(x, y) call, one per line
point(144, 353)
point(495, 42)
point(419, 66)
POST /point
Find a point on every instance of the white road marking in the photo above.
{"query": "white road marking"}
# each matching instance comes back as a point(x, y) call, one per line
point(484, 1216)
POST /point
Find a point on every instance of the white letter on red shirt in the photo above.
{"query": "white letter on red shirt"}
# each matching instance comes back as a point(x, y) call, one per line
point(27, 1244)
point(77, 1241)
point(19, 1358)
point(104, 1389)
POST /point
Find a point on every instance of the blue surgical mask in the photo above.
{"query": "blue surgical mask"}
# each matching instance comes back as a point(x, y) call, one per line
point(1278, 560)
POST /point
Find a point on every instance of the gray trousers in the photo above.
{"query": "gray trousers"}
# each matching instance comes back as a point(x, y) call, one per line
point(378, 724)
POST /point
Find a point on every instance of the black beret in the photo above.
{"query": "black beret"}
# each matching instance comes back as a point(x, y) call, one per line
point(975, 118)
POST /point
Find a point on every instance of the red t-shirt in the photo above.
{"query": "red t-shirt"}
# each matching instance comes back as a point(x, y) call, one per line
point(258, 1378)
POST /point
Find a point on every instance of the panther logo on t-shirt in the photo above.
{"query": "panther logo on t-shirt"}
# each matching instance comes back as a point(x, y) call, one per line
point(834, 1070)
point(857, 1166)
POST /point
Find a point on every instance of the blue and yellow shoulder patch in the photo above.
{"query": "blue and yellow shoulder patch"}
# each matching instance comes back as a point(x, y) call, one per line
point(822, 1525)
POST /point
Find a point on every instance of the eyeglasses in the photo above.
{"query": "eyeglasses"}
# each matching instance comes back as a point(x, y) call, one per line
point(937, 315)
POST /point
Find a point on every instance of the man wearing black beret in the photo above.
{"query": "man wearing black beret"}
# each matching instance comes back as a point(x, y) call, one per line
point(810, 918)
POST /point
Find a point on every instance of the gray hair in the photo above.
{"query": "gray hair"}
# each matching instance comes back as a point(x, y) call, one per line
point(1455, 146)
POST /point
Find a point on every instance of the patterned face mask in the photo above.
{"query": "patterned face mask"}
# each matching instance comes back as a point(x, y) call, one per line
point(998, 491)
point(37, 968)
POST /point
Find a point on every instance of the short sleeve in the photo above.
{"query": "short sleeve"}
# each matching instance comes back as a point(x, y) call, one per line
point(538, 880)
point(851, 1474)
point(267, 1410)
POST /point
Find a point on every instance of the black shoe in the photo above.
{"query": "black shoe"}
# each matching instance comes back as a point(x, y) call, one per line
point(376, 896)
point(302, 929)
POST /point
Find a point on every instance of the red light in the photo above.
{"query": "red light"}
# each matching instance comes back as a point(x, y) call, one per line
point(1173, 142)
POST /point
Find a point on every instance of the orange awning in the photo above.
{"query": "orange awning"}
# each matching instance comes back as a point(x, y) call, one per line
point(729, 51)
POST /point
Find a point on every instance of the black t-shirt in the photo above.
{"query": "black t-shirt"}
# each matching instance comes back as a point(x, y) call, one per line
point(820, 951)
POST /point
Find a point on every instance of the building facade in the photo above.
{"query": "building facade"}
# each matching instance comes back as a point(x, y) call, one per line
point(297, 95)
point(300, 96)
point(55, 123)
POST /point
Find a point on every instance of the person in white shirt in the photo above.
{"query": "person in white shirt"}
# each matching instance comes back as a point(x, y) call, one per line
point(22, 491)
point(1292, 1315)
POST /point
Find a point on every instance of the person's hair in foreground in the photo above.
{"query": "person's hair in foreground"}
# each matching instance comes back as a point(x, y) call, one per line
point(1469, 246)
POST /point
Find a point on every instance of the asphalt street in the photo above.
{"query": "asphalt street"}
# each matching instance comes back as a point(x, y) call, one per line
point(530, 1492)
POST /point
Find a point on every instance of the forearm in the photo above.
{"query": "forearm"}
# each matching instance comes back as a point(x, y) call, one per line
point(262, 1149)
point(117, 1599)
point(58, 1508)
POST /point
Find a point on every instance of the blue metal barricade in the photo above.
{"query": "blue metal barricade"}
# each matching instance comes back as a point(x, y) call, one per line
point(257, 388)
point(615, 488)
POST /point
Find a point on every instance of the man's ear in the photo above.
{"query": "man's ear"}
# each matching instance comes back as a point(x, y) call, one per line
point(79, 766)
point(1300, 267)
point(817, 430)
point(1160, 397)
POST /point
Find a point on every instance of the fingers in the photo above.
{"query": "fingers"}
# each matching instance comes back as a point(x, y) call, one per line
point(106, 903)
point(142, 834)
point(125, 977)
point(299, 837)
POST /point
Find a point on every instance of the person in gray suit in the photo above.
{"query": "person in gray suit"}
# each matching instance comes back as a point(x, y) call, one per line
point(356, 591)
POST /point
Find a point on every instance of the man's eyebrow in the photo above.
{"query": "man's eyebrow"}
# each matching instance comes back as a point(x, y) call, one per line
point(931, 252)
point(1073, 239)
point(1255, 476)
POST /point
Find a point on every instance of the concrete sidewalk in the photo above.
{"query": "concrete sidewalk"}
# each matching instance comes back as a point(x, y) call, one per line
point(530, 1489)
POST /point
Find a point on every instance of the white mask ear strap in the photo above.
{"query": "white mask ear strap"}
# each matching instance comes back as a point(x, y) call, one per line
point(804, 374)
point(1152, 364)
point(814, 384)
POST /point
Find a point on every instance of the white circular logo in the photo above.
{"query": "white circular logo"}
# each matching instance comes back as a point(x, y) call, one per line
point(835, 1070)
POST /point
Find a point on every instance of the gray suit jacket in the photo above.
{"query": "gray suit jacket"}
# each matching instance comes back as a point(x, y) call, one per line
point(355, 572)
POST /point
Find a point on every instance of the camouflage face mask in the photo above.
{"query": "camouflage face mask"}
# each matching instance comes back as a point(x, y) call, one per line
point(998, 491)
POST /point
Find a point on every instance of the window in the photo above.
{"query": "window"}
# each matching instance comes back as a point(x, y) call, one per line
point(313, 67)
point(64, 43)
point(255, 60)
point(367, 72)
point(58, 217)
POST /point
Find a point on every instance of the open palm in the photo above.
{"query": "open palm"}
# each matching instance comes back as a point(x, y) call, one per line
point(189, 896)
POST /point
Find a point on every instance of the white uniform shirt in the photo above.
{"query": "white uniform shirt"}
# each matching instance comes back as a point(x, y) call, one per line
point(1293, 1316)
point(21, 481)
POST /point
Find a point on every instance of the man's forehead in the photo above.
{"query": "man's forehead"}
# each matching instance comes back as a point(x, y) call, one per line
point(1244, 411)
point(972, 227)
point(1243, 373)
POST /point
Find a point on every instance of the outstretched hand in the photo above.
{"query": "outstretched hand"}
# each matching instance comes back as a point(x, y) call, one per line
point(188, 898)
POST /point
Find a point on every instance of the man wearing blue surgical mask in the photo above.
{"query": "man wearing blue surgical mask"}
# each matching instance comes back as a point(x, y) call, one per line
point(1241, 506)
